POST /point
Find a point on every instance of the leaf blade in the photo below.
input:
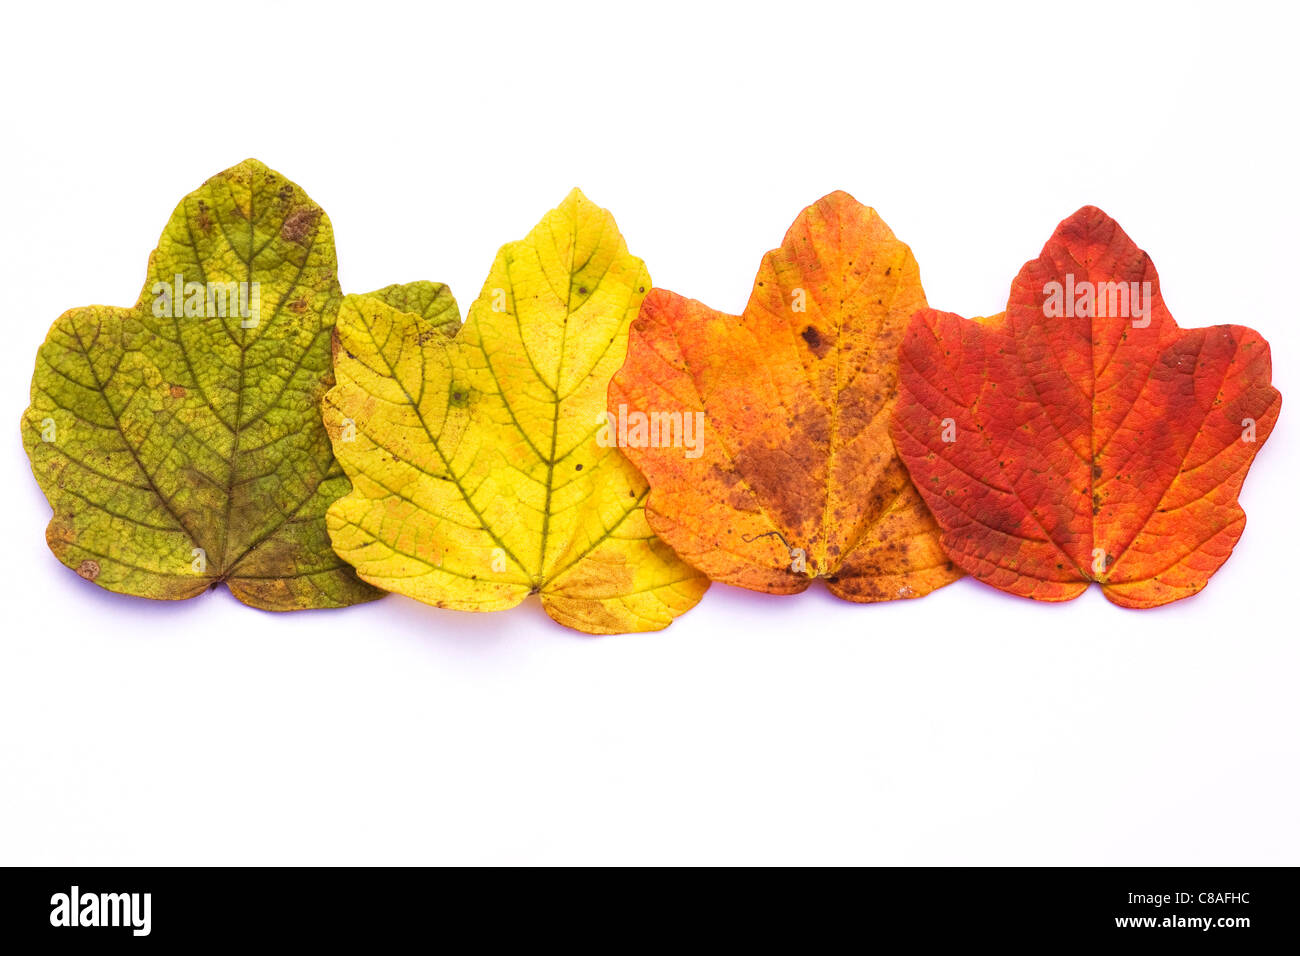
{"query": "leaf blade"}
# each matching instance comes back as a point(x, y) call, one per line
point(477, 475)
point(1077, 430)
point(795, 461)
point(213, 402)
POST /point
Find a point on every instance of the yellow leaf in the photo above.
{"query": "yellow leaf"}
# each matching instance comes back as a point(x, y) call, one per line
point(478, 471)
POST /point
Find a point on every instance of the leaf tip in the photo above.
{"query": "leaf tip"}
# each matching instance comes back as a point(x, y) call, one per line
point(1087, 221)
point(838, 197)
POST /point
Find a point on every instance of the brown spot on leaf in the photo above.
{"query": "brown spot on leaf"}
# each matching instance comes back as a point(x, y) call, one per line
point(299, 223)
point(178, 391)
point(88, 569)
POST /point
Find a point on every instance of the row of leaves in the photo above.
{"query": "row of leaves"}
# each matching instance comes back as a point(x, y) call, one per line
point(846, 431)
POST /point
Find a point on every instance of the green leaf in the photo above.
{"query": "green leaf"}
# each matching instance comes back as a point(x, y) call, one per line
point(179, 442)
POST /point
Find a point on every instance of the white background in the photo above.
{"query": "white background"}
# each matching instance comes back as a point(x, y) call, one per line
point(967, 727)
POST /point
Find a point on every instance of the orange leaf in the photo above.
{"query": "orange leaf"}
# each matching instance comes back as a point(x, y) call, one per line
point(764, 436)
point(1082, 435)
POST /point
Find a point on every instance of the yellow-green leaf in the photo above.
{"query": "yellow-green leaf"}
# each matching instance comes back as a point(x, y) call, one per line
point(179, 442)
point(477, 474)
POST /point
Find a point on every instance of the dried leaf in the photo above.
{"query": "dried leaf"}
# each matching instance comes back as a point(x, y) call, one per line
point(764, 436)
point(1082, 435)
point(179, 441)
point(477, 475)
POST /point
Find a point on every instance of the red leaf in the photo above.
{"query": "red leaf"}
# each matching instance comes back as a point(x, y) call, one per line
point(1057, 448)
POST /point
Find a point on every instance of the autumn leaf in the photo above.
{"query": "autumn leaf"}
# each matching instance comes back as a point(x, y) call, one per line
point(478, 477)
point(179, 441)
point(764, 436)
point(1082, 435)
